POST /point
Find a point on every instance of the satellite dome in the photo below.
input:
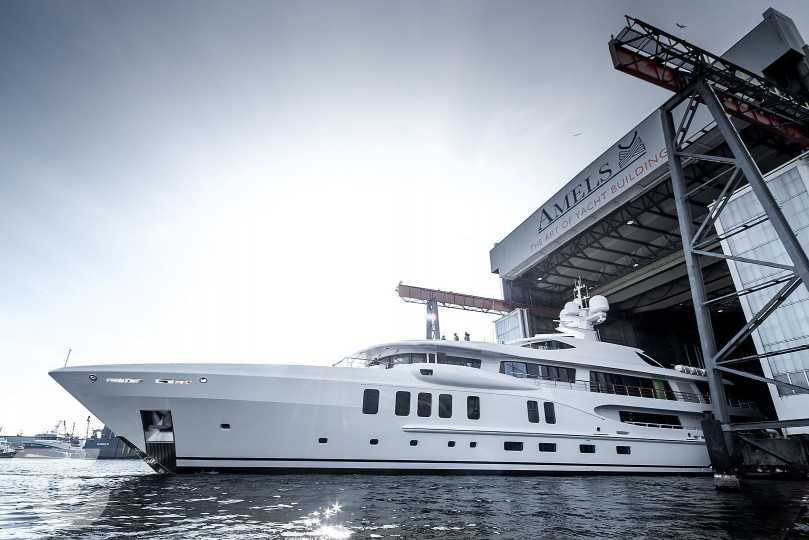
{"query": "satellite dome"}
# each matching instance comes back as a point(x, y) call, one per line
point(599, 304)
point(570, 309)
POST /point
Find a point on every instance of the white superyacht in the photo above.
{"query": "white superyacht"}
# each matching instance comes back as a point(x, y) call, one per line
point(555, 403)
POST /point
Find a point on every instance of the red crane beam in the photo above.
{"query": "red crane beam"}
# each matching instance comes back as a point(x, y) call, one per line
point(468, 302)
point(672, 63)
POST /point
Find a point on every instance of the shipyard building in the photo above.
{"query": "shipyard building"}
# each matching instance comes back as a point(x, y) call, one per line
point(616, 224)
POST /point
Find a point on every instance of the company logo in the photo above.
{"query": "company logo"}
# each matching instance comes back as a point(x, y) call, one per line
point(629, 152)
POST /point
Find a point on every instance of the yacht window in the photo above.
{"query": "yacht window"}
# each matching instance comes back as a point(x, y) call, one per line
point(473, 444)
point(533, 412)
point(512, 446)
point(549, 345)
point(555, 373)
point(515, 369)
point(414, 442)
point(323, 440)
point(370, 401)
point(628, 385)
point(473, 407)
point(587, 448)
point(425, 404)
point(537, 371)
point(550, 412)
point(451, 444)
point(403, 358)
point(374, 441)
point(444, 405)
point(626, 450)
point(402, 403)
point(444, 358)
point(650, 419)
point(547, 447)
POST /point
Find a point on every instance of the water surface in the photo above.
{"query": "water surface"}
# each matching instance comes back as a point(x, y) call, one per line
point(124, 499)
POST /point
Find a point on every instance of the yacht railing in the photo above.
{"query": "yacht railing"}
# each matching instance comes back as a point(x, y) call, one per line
point(618, 389)
point(352, 361)
point(636, 391)
point(742, 404)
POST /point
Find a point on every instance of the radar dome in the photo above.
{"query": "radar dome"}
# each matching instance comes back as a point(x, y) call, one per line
point(599, 304)
point(570, 309)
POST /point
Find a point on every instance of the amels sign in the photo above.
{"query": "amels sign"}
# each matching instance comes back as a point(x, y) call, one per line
point(588, 195)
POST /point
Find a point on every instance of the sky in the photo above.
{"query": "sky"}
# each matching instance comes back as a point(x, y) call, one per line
point(248, 181)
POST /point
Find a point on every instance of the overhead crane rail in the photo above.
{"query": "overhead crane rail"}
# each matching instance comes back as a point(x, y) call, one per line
point(656, 56)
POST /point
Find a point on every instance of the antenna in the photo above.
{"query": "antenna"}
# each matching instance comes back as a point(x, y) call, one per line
point(68, 356)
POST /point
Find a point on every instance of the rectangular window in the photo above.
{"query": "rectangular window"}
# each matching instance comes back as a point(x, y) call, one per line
point(445, 405)
point(547, 447)
point(554, 373)
point(628, 385)
point(458, 360)
point(587, 448)
point(370, 401)
point(550, 412)
point(626, 450)
point(533, 412)
point(650, 419)
point(515, 369)
point(537, 371)
point(425, 404)
point(402, 403)
point(473, 407)
point(512, 446)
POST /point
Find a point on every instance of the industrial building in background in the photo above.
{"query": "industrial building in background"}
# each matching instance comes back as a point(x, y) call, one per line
point(700, 257)
point(693, 225)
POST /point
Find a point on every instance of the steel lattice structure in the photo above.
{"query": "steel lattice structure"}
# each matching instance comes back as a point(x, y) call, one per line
point(656, 56)
point(724, 89)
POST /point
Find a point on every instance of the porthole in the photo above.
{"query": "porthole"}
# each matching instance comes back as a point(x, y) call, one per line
point(224, 426)
point(203, 380)
point(93, 378)
point(414, 442)
point(451, 444)
point(323, 440)
point(473, 444)
point(374, 441)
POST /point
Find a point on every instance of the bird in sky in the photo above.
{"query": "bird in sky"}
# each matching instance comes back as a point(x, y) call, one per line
point(681, 25)
point(577, 134)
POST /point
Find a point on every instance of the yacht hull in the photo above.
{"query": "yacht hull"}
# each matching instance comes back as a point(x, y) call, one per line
point(275, 418)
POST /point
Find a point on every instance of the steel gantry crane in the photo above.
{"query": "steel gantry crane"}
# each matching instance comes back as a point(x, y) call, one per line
point(702, 80)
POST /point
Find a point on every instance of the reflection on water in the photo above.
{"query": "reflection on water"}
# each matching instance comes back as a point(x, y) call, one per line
point(109, 499)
